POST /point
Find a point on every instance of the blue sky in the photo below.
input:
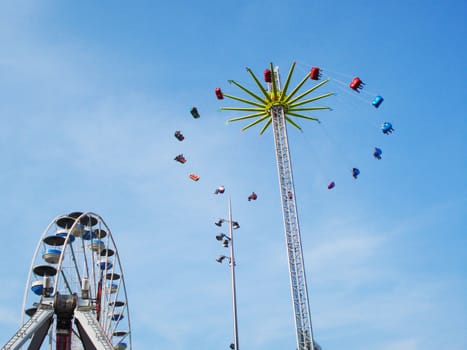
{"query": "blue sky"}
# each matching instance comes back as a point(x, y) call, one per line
point(93, 92)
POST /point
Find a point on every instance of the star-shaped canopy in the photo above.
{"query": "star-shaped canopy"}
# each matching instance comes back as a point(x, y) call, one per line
point(292, 104)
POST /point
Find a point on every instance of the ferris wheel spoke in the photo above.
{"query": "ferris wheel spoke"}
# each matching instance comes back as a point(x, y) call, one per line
point(106, 321)
point(93, 271)
point(66, 282)
point(115, 325)
point(86, 267)
point(75, 263)
point(111, 313)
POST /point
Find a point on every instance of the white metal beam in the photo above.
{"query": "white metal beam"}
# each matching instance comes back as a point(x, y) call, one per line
point(93, 330)
point(42, 316)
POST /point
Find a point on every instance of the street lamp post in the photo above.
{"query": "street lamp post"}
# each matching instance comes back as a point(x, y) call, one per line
point(228, 241)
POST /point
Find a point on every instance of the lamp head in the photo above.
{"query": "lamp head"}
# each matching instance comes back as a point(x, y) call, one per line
point(235, 225)
point(219, 222)
point(220, 258)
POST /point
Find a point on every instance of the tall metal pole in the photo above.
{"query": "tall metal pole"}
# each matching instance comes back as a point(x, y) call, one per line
point(232, 269)
point(292, 228)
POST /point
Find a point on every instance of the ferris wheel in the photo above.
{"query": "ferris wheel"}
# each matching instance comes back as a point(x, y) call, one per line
point(75, 295)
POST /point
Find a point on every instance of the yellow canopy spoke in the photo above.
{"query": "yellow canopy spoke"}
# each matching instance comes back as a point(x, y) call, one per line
point(294, 91)
point(244, 100)
point(287, 80)
point(274, 85)
point(303, 116)
point(241, 109)
point(293, 123)
point(246, 117)
point(292, 104)
point(255, 122)
point(265, 126)
point(308, 109)
point(263, 90)
point(308, 91)
point(248, 91)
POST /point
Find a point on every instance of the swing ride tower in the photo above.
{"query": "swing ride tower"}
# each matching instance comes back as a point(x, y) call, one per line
point(276, 107)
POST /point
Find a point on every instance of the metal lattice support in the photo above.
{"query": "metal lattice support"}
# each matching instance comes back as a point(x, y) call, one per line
point(292, 233)
point(91, 331)
point(277, 107)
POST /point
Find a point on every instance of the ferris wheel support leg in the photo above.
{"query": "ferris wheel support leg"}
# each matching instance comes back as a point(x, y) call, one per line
point(39, 335)
point(91, 333)
point(36, 327)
